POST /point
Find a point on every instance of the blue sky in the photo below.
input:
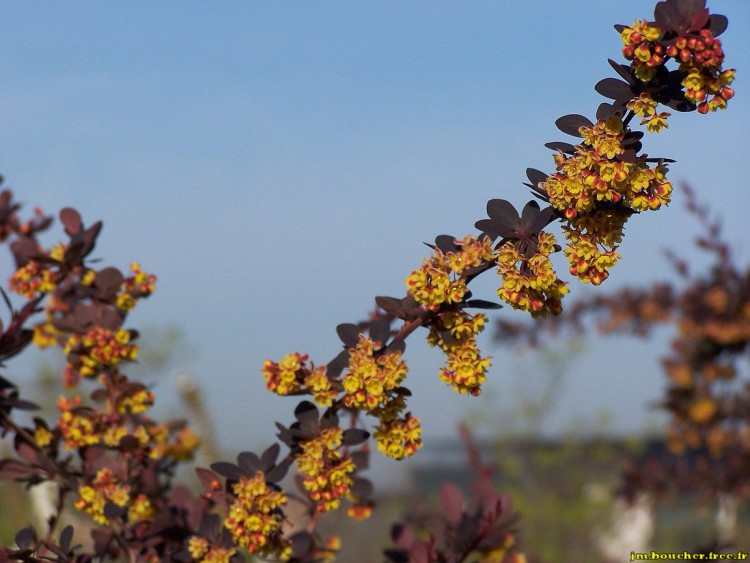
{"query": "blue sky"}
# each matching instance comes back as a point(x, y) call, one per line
point(279, 164)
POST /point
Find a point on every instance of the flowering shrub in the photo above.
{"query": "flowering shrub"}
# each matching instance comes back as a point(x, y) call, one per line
point(117, 463)
point(709, 426)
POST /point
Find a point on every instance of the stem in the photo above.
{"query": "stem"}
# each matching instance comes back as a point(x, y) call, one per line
point(29, 439)
point(628, 118)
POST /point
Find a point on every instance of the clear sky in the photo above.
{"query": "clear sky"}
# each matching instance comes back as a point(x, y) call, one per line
point(278, 164)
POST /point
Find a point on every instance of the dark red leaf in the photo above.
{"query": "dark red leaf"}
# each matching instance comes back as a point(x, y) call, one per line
point(717, 24)
point(398, 346)
point(24, 538)
point(14, 469)
point(380, 331)
point(306, 410)
point(108, 282)
point(207, 477)
point(700, 20)
point(679, 15)
point(614, 89)
point(536, 176)
point(605, 111)
point(420, 552)
point(279, 471)
point(566, 148)
point(502, 211)
point(349, 334)
point(249, 463)
point(482, 304)
point(268, 457)
point(71, 220)
point(390, 305)
point(451, 501)
point(226, 469)
point(26, 451)
point(362, 488)
point(489, 228)
point(361, 459)
point(24, 249)
point(622, 70)
point(302, 544)
point(446, 243)
point(570, 124)
point(210, 526)
point(22, 404)
point(354, 437)
point(66, 536)
point(337, 365)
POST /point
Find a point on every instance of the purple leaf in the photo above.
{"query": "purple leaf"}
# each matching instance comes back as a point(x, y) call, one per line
point(268, 457)
point(451, 501)
point(482, 304)
point(14, 469)
point(566, 148)
point(66, 536)
point(108, 282)
point(362, 488)
point(349, 334)
point(536, 176)
point(446, 243)
point(354, 437)
point(390, 305)
point(71, 220)
point(207, 477)
point(502, 211)
point(226, 469)
point(302, 544)
point(717, 24)
point(24, 538)
point(249, 463)
point(279, 472)
point(571, 123)
point(380, 331)
point(622, 70)
point(337, 365)
point(361, 459)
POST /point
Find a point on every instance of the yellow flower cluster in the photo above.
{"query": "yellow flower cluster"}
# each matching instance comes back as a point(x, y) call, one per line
point(644, 106)
point(88, 353)
point(360, 511)
point(640, 47)
point(138, 285)
point(78, 427)
point(455, 333)
point(591, 244)
point(136, 402)
point(529, 283)
point(588, 185)
point(180, 447)
point(45, 333)
point(440, 280)
point(32, 279)
point(328, 473)
point(104, 488)
point(293, 375)
point(200, 550)
point(399, 437)
point(701, 57)
point(141, 509)
point(370, 379)
point(256, 518)
point(81, 427)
